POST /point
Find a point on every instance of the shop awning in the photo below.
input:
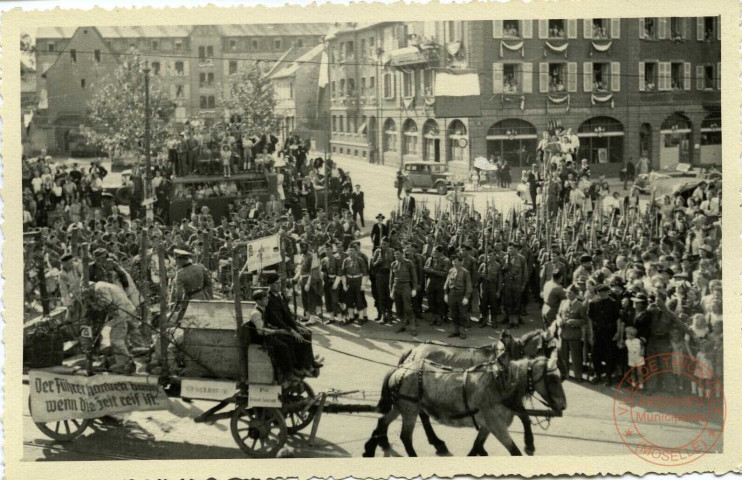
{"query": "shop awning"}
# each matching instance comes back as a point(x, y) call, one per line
point(457, 95)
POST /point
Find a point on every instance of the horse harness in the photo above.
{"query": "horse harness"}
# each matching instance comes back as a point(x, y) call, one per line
point(468, 411)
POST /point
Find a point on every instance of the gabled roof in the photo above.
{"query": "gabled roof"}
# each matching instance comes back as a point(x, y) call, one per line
point(95, 31)
point(175, 31)
point(274, 29)
point(291, 69)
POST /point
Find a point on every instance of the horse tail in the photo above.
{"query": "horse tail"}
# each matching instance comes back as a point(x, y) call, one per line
point(386, 401)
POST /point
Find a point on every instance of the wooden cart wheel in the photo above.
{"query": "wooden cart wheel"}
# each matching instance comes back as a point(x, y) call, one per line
point(62, 430)
point(259, 432)
point(296, 398)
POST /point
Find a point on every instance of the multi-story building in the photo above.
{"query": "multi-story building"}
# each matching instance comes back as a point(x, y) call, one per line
point(297, 106)
point(190, 63)
point(627, 87)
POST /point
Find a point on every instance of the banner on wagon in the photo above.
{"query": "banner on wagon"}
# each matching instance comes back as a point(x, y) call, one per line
point(56, 396)
point(263, 252)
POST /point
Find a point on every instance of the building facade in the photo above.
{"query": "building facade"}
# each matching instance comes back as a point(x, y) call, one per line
point(627, 87)
point(191, 64)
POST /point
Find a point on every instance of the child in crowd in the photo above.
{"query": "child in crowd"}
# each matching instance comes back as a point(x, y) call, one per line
point(635, 350)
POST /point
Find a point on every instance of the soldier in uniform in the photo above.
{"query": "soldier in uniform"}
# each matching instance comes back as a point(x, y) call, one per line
point(192, 280)
point(418, 261)
point(382, 264)
point(573, 318)
point(403, 280)
point(352, 270)
point(553, 296)
point(311, 283)
point(514, 271)
point(458, 289)
point(470, 264)
point(490, 287)
point(330, 267)
point(436, 270)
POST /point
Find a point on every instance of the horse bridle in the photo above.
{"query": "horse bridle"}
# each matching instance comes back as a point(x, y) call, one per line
point(531, 384)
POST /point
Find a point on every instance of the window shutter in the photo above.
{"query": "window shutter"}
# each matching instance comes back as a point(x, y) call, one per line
point(587, 76)
point(187, 91)
point(718, 75)
point(686, 76)
point(572, 76)
point(172, 92)
point(527, 28)
point(642, 69)
point(496, 28)
point(572, 28)
point(543, 77)
point(226, 67)
point(615, 76)
point(668, 75)
point(615, 28)
point(700, 77)
point(699, 29)
point(641, 28)
point(527, 72)
point(587, 28)
point(718, 28)
point(661, 28)
point(497, 78)
point(185, 68)
point(543, 29)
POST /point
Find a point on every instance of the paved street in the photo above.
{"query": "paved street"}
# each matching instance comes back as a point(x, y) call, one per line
point(356, 359)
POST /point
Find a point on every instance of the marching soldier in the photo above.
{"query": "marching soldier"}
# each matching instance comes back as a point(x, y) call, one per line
point(490, 288)
point(403, 280)
point(330, 268)
point(436, 270)
point(458, 289)
point(515, 281)
point(352, 270)
point(418, 261)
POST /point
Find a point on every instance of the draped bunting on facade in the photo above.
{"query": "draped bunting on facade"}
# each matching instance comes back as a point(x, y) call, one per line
point(430, 101)
point(513, 48)
point(557, 49)
point(559, 100)
point(602, 47)
point(595, 98)
point(409, 103)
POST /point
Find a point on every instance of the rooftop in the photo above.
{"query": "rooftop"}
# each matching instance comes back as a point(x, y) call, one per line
point(175, 31)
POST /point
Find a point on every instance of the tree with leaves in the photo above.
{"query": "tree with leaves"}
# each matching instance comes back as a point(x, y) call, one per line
point(251, 96)
point(116, 110)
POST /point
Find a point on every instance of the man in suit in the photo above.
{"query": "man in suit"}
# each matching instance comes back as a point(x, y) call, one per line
point(380, 230)
point(408, 204)
point(357, 204)
point(274, 208)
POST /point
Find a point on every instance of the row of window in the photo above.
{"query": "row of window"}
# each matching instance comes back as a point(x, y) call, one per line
point(413, 81)
point(650, 28)
point(597, 77)
point(233, 44)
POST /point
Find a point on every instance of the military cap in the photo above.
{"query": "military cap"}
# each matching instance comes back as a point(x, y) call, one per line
point(602, 288)
point(66, 257)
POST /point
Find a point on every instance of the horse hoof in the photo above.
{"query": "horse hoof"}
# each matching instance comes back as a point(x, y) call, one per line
point(384, 444)
point(443, 451)
point(530, 451)
point(367, 455)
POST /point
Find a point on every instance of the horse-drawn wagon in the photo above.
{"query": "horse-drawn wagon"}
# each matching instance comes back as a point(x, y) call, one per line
point(214, 363)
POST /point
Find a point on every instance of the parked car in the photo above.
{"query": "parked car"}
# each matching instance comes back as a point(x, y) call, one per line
point(428, 176)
